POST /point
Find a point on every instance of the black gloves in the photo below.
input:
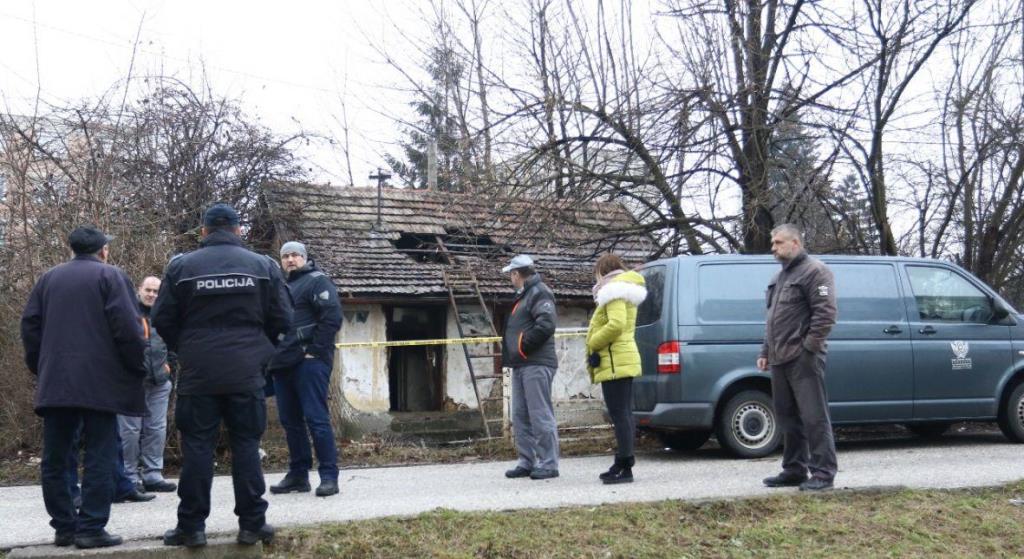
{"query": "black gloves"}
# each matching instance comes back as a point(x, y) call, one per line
point(594, 360)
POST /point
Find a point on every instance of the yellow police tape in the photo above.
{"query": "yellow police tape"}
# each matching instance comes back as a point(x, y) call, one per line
point(442, 341)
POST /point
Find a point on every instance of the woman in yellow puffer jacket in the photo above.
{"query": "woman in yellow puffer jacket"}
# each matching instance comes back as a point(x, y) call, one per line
point(613, 359)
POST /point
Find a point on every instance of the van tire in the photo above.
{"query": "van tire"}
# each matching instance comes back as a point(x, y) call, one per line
point(1011, 417)
point(930, 430)
point(684, 440)
point(747, 426)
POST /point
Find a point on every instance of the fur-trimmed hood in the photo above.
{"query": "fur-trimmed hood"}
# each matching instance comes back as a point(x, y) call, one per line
point(628, 286)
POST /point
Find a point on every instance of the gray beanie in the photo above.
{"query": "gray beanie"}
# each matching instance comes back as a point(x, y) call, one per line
point(293, 247)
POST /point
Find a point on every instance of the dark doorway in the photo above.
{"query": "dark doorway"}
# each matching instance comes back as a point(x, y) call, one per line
point(415, 373)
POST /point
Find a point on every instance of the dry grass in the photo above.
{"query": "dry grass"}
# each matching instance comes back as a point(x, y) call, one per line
point(963, 523)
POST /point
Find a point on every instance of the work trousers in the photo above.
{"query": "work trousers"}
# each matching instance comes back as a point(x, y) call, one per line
point(801, 407)
point(533, 417)
point(199, 417)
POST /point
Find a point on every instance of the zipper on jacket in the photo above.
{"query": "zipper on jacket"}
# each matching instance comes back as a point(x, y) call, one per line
point(611, 359)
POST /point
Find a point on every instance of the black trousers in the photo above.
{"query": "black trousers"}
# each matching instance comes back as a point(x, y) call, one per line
point(618, 397)
point(98, 431)
point(199, 417)
point(801, 406)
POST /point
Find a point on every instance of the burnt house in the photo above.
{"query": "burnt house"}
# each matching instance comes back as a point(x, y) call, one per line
point(403, 262)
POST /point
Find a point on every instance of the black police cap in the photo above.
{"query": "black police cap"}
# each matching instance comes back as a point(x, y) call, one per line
point(87, 239)
point(220, 215)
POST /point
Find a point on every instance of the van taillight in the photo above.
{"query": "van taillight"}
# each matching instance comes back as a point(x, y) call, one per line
point(668, 359)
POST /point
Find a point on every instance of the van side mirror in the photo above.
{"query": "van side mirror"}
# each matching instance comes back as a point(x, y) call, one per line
point(999, 310)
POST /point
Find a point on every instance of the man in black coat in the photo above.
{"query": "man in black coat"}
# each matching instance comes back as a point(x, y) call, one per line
point(302, 374)
point(83, 340)
point(221, 309)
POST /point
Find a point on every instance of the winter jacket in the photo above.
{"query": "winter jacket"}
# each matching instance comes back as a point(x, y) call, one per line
point(530, 327)
point(612, 328)
point(83, 339)
point(156, 362)
point(801, 302)
point(316, 322)
point(222, 309)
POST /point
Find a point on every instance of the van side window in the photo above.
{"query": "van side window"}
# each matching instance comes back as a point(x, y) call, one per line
point(867, 293)
point(650, 310)
point(734, 292)
point(944, 295)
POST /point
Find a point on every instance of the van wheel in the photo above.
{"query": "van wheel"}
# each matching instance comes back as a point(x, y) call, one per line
point(684, 440)
point(747, 427)
point(929, 430)
point(1011, 417)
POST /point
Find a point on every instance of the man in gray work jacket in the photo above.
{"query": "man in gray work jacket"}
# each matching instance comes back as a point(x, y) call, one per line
point(529, 348)
point(801, 313)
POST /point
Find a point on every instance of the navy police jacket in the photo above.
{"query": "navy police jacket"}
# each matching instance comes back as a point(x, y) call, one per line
point(222, 309)
point(317, 318)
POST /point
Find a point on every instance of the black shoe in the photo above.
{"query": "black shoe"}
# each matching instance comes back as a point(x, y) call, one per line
point(327, 488)
point(518, 471)
point(542, 473)
point(134, 496)
point(249, 537)
point(292, 483)
point(785, 480)
point(63, 540)
point(162, 486)
point(816, 484)
point(178, 536)
point(620, 472)
point(102, 539)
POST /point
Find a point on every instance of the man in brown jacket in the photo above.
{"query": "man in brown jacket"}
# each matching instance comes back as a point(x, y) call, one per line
point(801, 313)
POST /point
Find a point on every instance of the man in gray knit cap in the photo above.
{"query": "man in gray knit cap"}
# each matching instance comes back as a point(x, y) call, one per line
point(301, 370)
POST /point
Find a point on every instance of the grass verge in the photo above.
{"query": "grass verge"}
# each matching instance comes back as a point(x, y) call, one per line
point(955, 523)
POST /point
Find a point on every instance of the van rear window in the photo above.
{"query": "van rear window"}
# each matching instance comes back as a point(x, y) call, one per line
point(650, 310)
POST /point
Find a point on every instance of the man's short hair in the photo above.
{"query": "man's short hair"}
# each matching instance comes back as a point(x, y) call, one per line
point(790, 230)
point(144, 278)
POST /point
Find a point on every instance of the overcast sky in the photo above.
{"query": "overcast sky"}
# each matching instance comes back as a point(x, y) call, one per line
point(289, 63)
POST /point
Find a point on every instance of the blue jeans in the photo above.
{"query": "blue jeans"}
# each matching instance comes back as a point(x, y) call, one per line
point(301, 394)
point(61, 428)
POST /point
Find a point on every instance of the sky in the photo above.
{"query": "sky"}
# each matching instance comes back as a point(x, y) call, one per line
point(289, 63)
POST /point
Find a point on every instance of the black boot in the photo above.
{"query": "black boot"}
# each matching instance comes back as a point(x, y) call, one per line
point(292, 483)
point(620, 472)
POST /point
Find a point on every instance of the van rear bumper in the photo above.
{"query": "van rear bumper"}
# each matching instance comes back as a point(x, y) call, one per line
point(677, 415)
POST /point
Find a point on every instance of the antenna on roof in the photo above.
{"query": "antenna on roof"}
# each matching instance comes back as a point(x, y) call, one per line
point(380, 177)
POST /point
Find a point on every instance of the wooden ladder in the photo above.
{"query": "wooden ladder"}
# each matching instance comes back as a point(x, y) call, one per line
point(463, 286)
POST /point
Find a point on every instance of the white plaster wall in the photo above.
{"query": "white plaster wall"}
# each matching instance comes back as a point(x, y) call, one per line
point(363, 372)
point(458, 385)
point(571, 381)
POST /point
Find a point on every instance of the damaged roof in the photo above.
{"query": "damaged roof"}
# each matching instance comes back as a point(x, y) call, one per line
point(423, 233)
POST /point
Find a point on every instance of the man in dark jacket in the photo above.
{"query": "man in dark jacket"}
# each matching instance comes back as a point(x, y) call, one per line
point(143, 438)
point(801, 313)
point(83, 341)
point(221, 309)
point(529, 348)
point(302, 374)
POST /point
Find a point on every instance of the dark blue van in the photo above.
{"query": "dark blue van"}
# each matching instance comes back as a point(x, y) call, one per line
point(919, 342)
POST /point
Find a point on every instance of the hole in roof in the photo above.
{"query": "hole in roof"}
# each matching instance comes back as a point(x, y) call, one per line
point(457, 243)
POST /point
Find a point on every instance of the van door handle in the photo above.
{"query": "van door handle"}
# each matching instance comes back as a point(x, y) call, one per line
point(893, 330)
point(928, 330)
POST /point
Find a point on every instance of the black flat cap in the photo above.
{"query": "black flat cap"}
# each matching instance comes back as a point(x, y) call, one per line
point(87, 239)
point(220, 215)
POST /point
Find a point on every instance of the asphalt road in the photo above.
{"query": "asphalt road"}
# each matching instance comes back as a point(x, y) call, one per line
point(962, 460)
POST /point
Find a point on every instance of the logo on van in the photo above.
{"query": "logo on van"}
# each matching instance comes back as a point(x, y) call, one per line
point(960, 360)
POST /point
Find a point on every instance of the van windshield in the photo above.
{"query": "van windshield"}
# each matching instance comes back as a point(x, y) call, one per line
point(650, 310)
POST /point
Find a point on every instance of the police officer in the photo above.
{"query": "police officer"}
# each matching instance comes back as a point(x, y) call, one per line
point(222, 309)
point(801, 313)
